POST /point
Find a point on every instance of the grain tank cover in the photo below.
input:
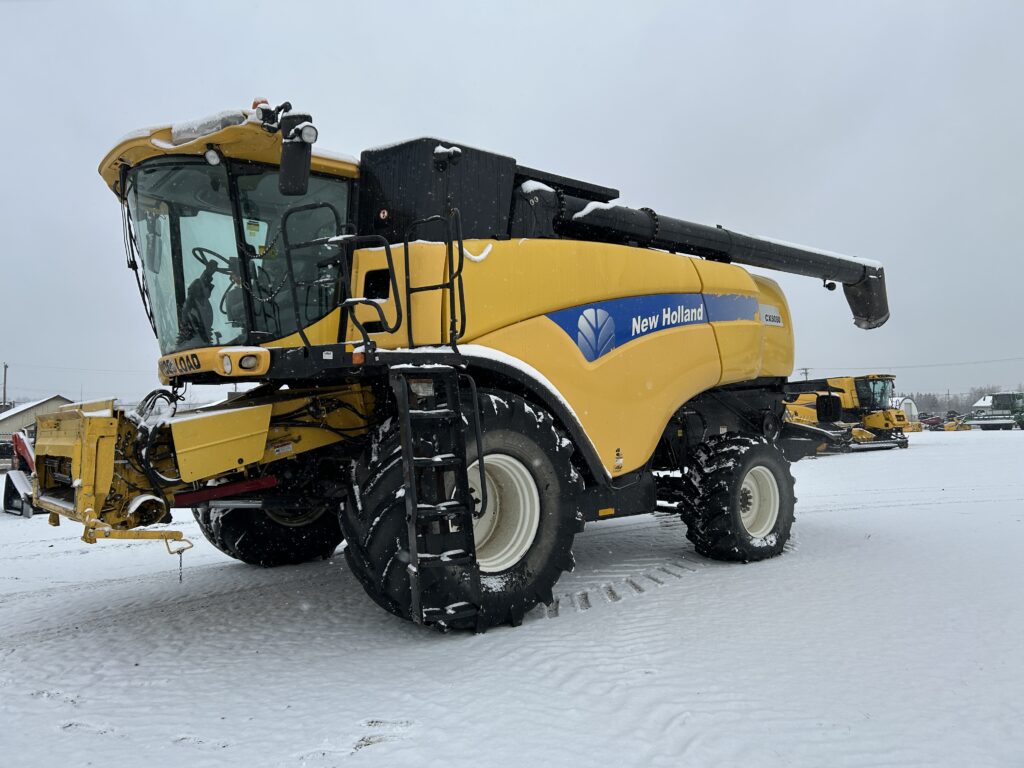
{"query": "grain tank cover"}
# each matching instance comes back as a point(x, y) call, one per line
point(417, 178)
point(423, 177)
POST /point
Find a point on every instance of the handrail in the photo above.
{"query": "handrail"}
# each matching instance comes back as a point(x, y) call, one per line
point(457, 327)
point(288, 256)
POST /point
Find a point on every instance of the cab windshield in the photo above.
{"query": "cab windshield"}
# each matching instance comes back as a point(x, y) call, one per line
point(212, 251)
point(875, 394)
point(1006, 401)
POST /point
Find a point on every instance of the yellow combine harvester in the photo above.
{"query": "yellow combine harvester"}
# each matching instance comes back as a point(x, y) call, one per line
point(460, 361)
point(866, 403)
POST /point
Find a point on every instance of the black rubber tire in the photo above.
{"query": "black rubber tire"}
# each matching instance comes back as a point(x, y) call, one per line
point(12, 503)
point(713, 506)
point(252, 536)
point(375, 526)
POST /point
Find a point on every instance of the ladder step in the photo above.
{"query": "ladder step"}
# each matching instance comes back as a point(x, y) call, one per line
point(428, 415)
point(446, 510)
point(453, 612)
point(455, 558)
point(439, 461)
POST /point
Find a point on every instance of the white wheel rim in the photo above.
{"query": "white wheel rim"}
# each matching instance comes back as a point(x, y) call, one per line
point(505, 531)
point(759, 502)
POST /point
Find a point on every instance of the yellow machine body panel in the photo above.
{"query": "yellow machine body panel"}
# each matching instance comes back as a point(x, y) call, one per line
point(506, 282)
point(623, 413)
point(427, 266)
point(323, 331)
point(209, 444)
point(890, 418)
point(679, 361)
point(777, 330)
point(519, 279)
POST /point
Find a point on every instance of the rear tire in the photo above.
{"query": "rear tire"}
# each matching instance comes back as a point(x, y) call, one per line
point(257, 538)
point(522, 551)
point(741, 501)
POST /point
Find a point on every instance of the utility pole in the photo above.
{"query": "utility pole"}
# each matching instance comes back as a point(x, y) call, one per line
point(3, 403)
point(806, 371)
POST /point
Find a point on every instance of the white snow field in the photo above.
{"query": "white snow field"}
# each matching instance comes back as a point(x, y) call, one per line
point(889, 634)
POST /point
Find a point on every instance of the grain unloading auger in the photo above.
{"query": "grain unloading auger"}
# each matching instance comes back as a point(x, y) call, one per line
point(458, 362)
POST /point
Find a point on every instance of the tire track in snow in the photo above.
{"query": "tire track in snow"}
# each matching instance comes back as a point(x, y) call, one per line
point(825, 507)
point(620, 562)
point(141, 604)
point(617, 562)
point(65, 588)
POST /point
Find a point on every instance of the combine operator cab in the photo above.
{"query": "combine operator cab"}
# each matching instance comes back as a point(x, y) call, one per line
point(214, 251)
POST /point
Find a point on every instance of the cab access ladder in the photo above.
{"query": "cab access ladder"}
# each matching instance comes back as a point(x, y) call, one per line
point(439, 504)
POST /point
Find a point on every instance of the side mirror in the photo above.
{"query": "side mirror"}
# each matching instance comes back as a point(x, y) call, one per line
point(297, 136)
point(829, 408)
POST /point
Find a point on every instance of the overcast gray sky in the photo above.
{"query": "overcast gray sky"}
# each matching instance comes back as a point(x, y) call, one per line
point(890, 130)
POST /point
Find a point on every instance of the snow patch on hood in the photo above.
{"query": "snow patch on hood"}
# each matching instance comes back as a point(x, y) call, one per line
point(481, 257)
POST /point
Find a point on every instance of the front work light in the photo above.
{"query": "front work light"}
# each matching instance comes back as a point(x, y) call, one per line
point(308, 133)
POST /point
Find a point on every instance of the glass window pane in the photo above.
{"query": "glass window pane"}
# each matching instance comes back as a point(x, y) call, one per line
point(195, 295)
point(263, 212)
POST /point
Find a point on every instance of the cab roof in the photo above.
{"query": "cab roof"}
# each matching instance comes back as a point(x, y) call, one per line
point(236, 134)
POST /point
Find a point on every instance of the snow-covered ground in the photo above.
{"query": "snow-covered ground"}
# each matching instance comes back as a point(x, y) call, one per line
point(890, 633)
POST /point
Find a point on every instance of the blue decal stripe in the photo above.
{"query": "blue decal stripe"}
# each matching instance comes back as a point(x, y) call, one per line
point(725, 307)
point(600, 327)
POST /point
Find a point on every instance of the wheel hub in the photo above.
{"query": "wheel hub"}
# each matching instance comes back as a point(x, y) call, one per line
point(505, 529)
point(295, 518)
point(759, 502)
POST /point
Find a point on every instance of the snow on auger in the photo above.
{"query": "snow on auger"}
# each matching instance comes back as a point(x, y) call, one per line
point(460, 362)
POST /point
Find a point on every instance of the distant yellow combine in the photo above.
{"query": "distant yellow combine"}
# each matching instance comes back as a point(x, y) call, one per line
point(866, 403)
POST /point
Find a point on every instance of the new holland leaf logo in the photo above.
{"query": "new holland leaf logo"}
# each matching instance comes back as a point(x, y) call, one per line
point(596, 333)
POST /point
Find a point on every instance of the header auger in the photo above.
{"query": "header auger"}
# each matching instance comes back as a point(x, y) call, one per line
point(459, 361)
